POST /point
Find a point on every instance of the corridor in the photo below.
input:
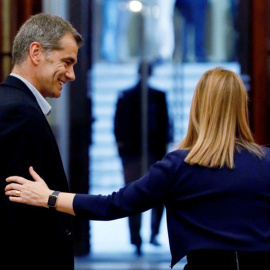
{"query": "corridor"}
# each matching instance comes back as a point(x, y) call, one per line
point(110, 246)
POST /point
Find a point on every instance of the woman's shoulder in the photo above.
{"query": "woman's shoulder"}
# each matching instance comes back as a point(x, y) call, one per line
point(178, 152)
point(244, 156)
point(170, 164)
point(266, 149)
point(176, 156)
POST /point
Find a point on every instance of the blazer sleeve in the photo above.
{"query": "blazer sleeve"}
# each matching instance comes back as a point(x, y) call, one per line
point(147, 192)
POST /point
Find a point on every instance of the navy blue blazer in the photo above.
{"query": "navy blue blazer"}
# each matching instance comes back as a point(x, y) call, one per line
point(36, 238)
point(207, 208)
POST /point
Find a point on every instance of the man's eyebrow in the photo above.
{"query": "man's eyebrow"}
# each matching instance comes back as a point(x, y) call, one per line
point(70, 59)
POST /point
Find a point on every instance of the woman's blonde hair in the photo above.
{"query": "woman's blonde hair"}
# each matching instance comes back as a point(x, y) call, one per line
point(218, 122)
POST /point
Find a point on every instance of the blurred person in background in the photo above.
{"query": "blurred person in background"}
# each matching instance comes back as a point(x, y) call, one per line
point(128, 135)
point(194, 29)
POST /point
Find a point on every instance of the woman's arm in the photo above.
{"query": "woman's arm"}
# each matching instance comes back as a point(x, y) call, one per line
point(151, 190)
point(65, 203)
point(36, 193)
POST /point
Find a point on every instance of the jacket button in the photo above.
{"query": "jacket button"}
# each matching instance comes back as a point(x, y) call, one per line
point(68, 232)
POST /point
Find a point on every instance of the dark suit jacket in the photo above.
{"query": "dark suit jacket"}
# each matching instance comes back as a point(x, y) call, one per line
point(31, 238)
point(127, 123)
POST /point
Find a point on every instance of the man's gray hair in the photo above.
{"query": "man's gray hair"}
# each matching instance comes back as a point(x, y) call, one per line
point(47, 29)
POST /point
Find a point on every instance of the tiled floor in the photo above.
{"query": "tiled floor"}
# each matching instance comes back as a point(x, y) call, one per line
point(124, 261)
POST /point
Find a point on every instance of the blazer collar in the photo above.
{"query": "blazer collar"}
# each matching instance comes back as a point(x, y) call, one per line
point(19, 84)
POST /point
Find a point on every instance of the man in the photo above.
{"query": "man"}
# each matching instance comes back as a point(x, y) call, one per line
point(127, 130)
point(44, 52)
point(195, 17)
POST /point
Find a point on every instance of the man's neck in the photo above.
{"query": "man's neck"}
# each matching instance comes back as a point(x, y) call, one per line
point(23, 71)
point(20, 71)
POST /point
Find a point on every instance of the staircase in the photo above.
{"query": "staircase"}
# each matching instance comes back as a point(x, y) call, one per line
point(178, 81)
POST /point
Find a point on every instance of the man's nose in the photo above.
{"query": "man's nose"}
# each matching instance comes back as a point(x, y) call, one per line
point(71, 74)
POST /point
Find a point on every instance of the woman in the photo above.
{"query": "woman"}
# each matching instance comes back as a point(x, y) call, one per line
point(215, 186)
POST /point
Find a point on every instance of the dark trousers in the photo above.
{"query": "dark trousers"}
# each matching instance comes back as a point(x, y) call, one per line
point(156, 216)
point(227, 260)
point(132, 171)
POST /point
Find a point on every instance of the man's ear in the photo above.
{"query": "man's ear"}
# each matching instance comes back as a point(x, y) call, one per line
point(35, 52)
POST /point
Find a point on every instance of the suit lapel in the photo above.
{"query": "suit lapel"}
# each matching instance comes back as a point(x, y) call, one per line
point(14, 82)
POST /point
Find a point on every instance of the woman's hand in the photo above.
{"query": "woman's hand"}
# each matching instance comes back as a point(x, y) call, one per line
point(21, 190)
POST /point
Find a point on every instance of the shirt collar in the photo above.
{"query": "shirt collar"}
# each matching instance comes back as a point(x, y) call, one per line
point(42, 102)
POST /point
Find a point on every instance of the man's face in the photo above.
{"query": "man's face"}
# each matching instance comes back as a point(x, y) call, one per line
point(56, 68)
